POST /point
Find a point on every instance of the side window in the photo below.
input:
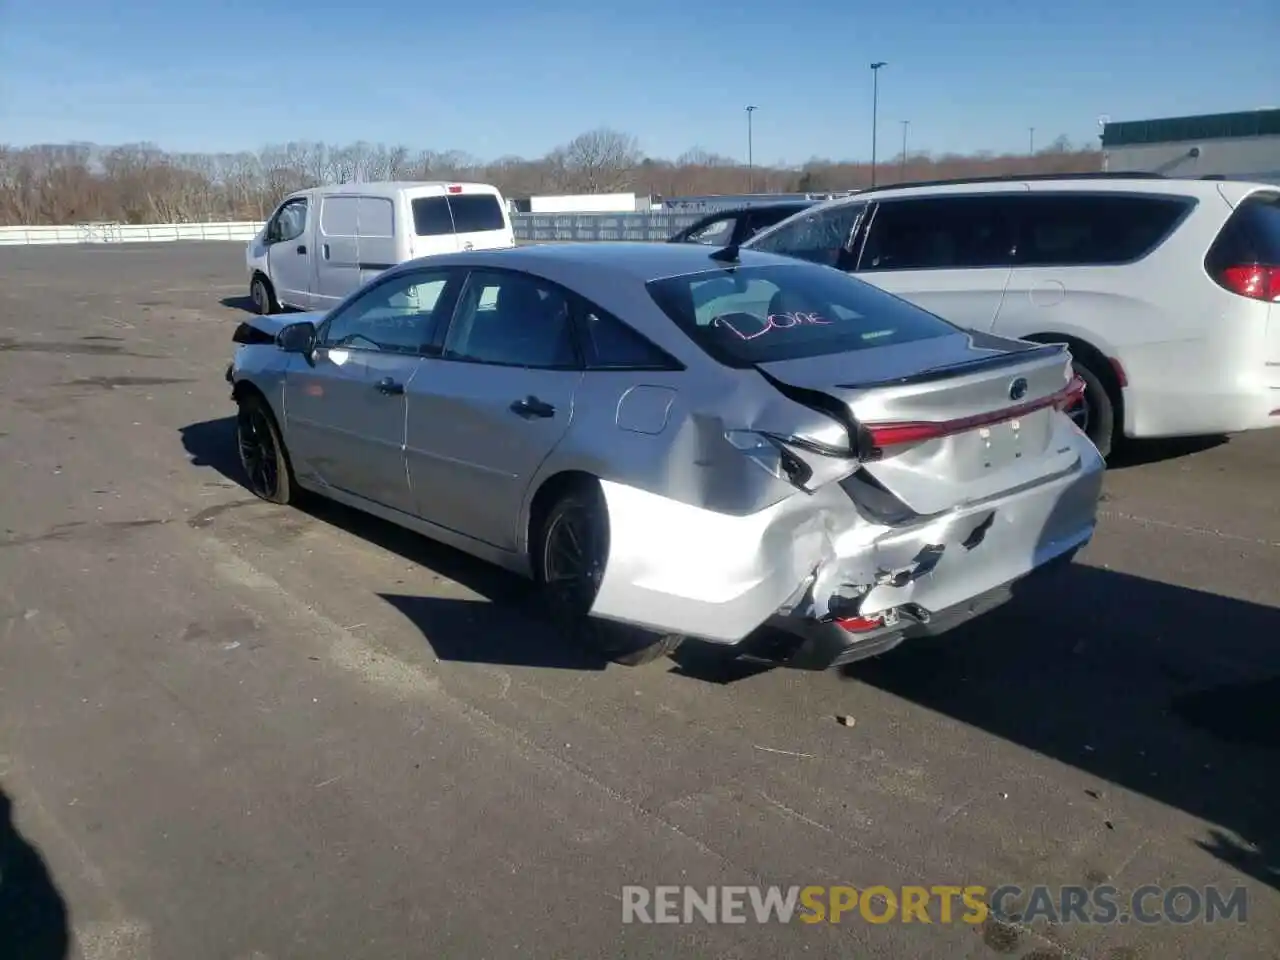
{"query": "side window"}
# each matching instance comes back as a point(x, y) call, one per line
point(825, 236)
point(717, 233)
point(339, 216)
point(1075, 230)
point(758, 220)
point(512, 319)
point(289, 222)
point(610, 344)
point(396, 316)
point(939, 234)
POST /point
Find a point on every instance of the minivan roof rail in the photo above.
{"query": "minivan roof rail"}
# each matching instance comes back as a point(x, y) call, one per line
point(1020, 178)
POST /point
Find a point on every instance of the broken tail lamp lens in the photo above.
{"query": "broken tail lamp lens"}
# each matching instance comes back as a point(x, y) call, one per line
point(772, 455)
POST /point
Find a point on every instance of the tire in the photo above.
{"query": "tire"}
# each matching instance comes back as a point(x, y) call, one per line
point(1097, 416)
point(263, 297)
point(569, 594)
point(263, 457)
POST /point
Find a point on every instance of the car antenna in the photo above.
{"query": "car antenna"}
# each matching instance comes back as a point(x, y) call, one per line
point(727, 254)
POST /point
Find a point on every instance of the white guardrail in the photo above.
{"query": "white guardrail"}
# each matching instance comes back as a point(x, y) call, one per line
point(242, 231)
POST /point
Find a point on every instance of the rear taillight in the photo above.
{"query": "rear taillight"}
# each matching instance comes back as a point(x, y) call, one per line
point(1253, 281)
point(1072, 395)
point(884, 435)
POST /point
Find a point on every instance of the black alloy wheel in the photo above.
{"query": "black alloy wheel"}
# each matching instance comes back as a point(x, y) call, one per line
point(570, 562)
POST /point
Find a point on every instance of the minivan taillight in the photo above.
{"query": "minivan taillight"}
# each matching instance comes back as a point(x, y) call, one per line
point(1253, 281)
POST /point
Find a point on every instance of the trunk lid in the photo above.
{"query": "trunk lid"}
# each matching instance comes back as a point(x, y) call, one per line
point(945, 421)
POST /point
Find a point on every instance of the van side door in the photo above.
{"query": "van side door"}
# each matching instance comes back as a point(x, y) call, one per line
point(357, 242)
point(950, 255)
point(1077, 262)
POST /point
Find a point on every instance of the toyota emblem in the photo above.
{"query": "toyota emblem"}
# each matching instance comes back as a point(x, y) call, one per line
point(1018, 389)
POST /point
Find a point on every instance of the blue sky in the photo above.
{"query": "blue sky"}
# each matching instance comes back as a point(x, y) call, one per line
point(502, 77)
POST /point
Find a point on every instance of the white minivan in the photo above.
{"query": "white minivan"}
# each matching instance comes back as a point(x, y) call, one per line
point(321, 244)
point(1165, 289)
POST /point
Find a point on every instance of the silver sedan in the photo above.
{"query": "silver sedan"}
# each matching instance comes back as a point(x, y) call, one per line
point(676, 441)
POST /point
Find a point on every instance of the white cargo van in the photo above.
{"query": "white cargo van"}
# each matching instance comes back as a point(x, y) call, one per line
point(323, 243)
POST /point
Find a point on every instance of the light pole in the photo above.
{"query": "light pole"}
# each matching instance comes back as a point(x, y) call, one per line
point(750, 151)
point(875, 106)
point(903, 173)
point(1031, 141)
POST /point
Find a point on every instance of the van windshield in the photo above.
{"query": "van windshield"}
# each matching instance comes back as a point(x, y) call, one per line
point(748, 315)
point(459, 213)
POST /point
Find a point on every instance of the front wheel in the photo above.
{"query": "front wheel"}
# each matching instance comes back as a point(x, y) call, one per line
point(569, 559)
point(264, 301)
point(262, 452)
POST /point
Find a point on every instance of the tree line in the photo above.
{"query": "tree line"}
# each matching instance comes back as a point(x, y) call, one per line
point(141, 183)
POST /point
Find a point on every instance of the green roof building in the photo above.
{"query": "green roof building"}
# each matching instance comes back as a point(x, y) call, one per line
point(1236, 146)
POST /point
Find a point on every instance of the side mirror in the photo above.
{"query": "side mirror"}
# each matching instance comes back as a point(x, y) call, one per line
point(297, 338)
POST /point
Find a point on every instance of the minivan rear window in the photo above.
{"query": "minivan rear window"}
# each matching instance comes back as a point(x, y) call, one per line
point(1251, 235)
point(748, 315)
point(459, 213)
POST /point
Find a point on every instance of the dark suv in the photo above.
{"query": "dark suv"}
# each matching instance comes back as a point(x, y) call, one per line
point(724, 228)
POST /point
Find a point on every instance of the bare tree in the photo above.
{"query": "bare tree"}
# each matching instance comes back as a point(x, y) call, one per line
point(599, 161)
point(141, 183)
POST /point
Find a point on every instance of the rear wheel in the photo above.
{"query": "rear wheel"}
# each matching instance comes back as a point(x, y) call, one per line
point(569, 559)
point(263, 297)
point(1095, 414)
point(262, 453)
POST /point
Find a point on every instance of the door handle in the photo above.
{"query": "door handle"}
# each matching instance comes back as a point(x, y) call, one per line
point(302, 248)
point(325, 251)
point(389, 387)
point(531, 407)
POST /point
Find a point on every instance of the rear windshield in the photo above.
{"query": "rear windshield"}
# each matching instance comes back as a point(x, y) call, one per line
point(747, 315)
point(459, 213)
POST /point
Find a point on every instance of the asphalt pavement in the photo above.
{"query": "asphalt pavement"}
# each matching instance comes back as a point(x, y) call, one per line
point(234, 731)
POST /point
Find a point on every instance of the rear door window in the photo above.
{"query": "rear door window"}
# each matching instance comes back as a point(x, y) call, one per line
point(752, 315)
point(459, 213)
point(940, 233)
point(476, 212)
point(431, 217)
point(1093, 230)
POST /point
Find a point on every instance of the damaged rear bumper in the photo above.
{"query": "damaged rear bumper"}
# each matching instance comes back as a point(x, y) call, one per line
point(824, 644)
point(812, 561)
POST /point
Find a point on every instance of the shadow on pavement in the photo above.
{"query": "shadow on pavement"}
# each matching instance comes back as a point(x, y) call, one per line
point(510, 634)
point(33, 915)
point(1165, 691)
point(510, 629)
point(1137, 453)
point(242, 302)
point(245, 303)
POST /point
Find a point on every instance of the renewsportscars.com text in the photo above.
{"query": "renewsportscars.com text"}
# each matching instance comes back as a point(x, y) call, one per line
point(938, 904)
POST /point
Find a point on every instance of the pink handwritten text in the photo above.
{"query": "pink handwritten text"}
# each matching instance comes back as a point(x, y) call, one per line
point(775, 321)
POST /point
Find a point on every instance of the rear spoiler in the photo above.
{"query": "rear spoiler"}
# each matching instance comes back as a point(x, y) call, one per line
point(994, 362)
